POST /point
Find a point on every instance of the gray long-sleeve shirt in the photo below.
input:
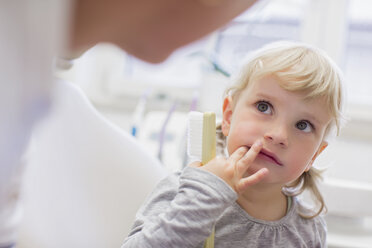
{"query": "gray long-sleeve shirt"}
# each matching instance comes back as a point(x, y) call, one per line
point(185, 206)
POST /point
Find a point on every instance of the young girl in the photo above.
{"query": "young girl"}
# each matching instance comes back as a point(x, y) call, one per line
point(286, 101)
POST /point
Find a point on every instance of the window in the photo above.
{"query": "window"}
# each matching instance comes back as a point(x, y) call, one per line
point(358, 54)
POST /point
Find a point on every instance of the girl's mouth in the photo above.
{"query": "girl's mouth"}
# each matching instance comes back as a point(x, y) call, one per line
point(269, 156)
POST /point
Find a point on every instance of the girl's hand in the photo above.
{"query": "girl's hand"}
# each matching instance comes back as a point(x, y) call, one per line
point(232, 169)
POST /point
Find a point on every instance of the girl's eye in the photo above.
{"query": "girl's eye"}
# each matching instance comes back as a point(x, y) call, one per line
point(264, 107)
point(304, 126)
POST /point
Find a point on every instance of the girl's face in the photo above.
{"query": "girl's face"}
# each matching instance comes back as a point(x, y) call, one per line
point(290, 127)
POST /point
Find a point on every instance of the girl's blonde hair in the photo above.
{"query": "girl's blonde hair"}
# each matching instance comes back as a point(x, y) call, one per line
point(298, 68)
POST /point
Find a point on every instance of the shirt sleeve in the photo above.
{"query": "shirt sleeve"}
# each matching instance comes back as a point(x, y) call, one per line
point(181, 211)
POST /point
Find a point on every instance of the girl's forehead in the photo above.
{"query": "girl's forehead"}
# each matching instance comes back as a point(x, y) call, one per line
point(274, 86)
point(269, 85)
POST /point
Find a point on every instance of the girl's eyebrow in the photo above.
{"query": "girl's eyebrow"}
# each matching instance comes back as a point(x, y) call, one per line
point(266, 96)
point(312, 118)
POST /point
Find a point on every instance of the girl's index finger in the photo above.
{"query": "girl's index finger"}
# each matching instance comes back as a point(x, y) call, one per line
point(249, 157)
point(256, 147)
point(238, 154)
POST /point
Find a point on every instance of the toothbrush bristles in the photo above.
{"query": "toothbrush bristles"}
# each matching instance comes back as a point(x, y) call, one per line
point(195, 135)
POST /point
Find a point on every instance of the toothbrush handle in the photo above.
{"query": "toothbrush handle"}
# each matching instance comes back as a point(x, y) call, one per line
point(208, 153)
point(209, 242)
point(209, 137)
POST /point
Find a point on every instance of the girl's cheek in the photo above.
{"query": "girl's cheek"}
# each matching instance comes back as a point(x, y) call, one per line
point(248, 129)
point(232, 144)
point(243, 133)
point(236, 140)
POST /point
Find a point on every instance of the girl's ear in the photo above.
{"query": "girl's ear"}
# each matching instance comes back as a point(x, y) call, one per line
point(321, 148)
point(226, 115)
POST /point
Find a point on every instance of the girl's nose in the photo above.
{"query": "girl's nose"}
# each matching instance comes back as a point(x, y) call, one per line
point(277, 136)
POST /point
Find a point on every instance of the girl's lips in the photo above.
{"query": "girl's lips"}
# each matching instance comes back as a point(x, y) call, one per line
point(268, 156)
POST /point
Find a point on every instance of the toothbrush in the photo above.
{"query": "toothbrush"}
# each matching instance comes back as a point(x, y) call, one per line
point(201, 145)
